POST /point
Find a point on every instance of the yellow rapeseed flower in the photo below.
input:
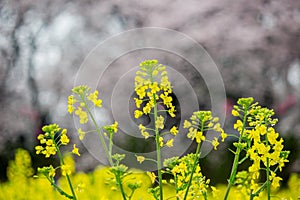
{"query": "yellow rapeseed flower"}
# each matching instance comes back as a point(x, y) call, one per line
point(161, 141)
point(199, 137)
point(39, 149)
point(235, 113)
point(138, 113)
point(81, 133)
point(64, 139)
point(75, 150)
point(140, 159)
point(169, 143)
point(151, 176)
point(65, 170)
point(187, 124)
point(215, 143)
point(223, 136)
point(145, 134)
point(159, 123)
point(174, 130)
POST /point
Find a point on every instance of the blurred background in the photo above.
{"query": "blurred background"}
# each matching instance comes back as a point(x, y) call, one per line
point(255, 44)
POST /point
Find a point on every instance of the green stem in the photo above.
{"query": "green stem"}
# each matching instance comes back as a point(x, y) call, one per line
point(233, 172)
point(176, 186)
point(98, 129)
point(204, 195)
point(258, 191)
point(236, 158)
point(62, 163)
point(60, 190)
point(119, 182)
point(268, 178)
point(158, 153)
point(131, 194)
point(194, 167)
point(110, 144)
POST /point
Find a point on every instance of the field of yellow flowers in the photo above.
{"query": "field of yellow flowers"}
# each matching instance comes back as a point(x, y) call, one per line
point(22, 184)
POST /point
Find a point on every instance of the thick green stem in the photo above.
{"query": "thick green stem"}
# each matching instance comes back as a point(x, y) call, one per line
point(119, 182)
point(233, 172)
point(158, 153)
point(268, 175)
point(236, 158)
point(194, 165)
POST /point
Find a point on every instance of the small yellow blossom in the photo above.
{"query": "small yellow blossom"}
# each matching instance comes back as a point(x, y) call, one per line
point(141, 92)
point(81, 134)
point(272, 136)
point(151, 176)
point(161, 141)
point(174, 130)
point(142, 128)
point(275, 180)
point(192, 133)
point(71, 102)
point(235, 113)
point(223, 136)
point(75, 150)
point(114, 126)
point(64, 139)
point(138, 102)
point(51, 171)
point(48, 151)
point(187, 124)
point(145, 134)
point(82, 115)
point(238, 125)
point(169, 143)
point(147, 109)
point(215, 143)
point(138, 113)
point(159, 122)
point(65, 170)
point(140, 159)
point(39, 149)
point(199, 137)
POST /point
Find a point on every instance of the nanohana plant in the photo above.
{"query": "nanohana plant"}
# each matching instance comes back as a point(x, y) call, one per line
point(256, 141)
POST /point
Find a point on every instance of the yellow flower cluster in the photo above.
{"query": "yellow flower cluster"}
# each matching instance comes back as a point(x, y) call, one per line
point(47, 171)
point(93, 97)
point(111, 129)
point(49, 144)
point(260, 140)
point(79, 102)
point(200, 122)
point(152, 87)
point(181, 169)
point(150, 90)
